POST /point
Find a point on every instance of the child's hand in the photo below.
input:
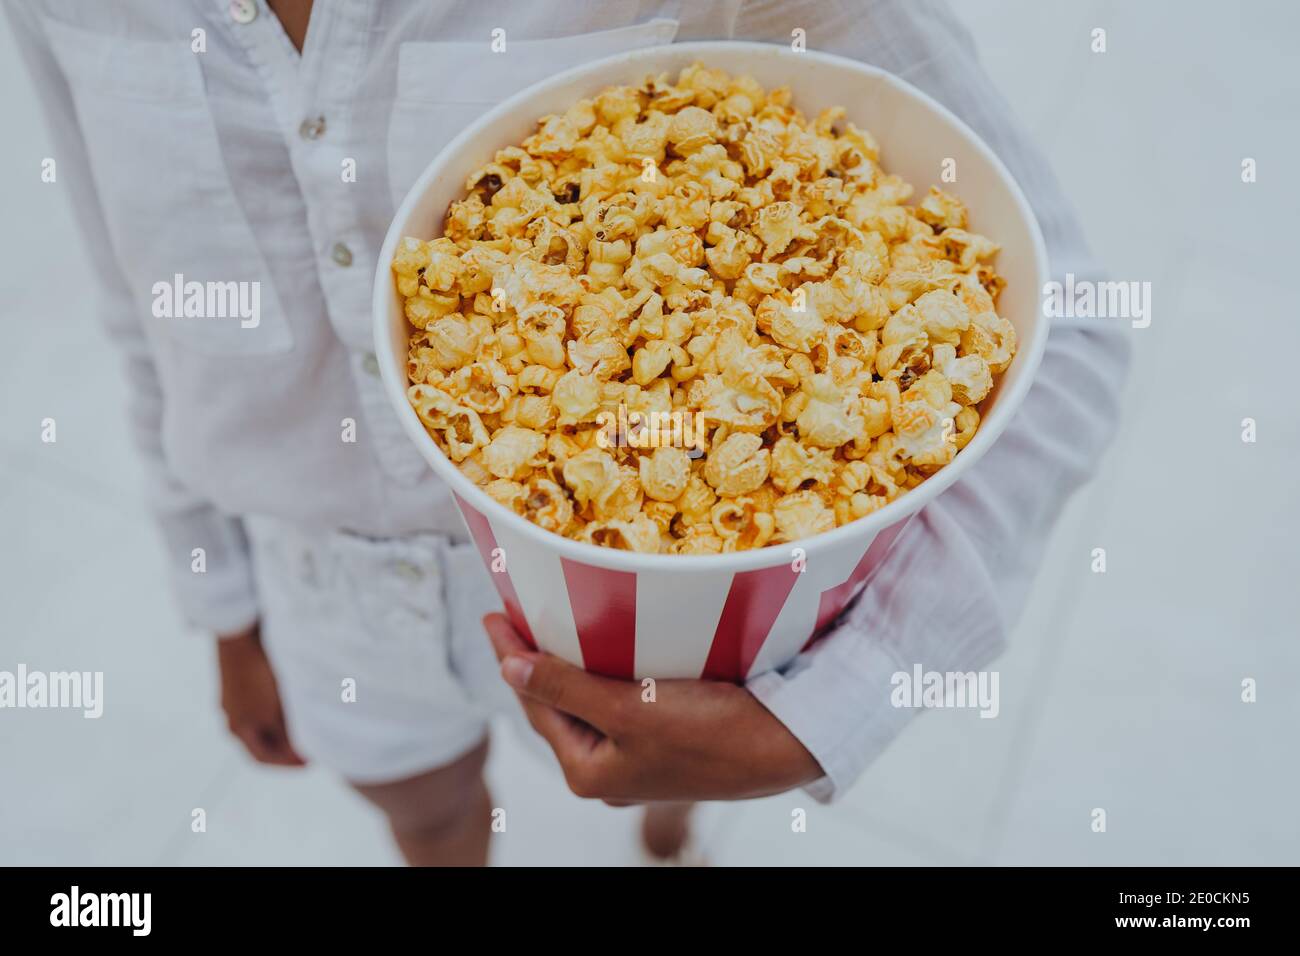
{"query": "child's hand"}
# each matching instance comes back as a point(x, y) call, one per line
point(251, 700)
point(697, 740)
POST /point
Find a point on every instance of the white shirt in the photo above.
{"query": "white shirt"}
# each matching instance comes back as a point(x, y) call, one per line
point(196, 141)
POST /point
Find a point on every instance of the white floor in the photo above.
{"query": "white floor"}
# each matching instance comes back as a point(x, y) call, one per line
point(1121, 691)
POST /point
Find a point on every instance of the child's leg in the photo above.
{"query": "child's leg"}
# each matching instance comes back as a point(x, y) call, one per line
point(441, 817)
point(357, 631)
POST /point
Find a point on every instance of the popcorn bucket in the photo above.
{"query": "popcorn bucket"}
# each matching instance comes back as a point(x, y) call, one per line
point(717, 623)
point(717, 616)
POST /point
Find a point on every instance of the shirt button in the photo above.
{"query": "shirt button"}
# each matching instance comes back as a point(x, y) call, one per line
point(312, 128)
point(341, 254)
point(243, 11)
point(371, 364)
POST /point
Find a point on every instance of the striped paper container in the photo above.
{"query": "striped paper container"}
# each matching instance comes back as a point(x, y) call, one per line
point(727, 616)
point(718, 624)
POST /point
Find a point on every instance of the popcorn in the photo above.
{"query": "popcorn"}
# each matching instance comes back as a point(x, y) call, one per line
point(741, 524)
point(691, 128)
point(484, 386)
point(970, 376)
point(830, 416)
point(459, 429)
point(665, 472)
point(577, 396)
point(802, 514)
point(738, 465)
point(639, 534)
point(513, 452)
point(682, 318)
point(547, 504)
point(794, 464)
point(778, 225)
point(941, 210)
point(795, 328)
point(992, 338)
point(740, 398)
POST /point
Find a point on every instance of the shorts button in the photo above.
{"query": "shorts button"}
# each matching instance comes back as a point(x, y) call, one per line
point(312, 128)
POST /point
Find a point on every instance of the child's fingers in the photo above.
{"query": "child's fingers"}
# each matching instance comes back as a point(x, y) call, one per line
point(277, 738)
point(599, 701)
point(585, 755)
point(505, 639)
point(549, 680)
point(557, 729)
point(251, 737)
point(268, 744)
point(572, 710)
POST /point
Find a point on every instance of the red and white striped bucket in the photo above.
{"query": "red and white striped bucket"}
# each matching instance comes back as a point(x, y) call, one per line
point(725, 616)
point(717, 623)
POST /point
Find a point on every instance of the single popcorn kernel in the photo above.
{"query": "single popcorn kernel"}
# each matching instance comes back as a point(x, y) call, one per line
point(683, 318)
point(664, 473)
point(738, 465)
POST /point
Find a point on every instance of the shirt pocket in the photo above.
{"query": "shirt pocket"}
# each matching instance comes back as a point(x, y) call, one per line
point(166, 195)
point(442, 87)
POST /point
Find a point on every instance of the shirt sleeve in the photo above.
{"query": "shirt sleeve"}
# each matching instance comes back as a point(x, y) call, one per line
point(221, 598)
point(958, 575)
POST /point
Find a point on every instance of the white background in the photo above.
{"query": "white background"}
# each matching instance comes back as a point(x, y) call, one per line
point(1120, 691)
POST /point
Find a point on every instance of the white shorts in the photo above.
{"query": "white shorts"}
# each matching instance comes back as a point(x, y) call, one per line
point(383, 666)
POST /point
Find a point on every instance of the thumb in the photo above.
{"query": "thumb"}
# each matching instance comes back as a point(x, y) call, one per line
point(505, 639)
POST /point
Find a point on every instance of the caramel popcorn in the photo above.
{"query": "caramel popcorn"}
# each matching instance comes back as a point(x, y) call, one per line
point(698, 261)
